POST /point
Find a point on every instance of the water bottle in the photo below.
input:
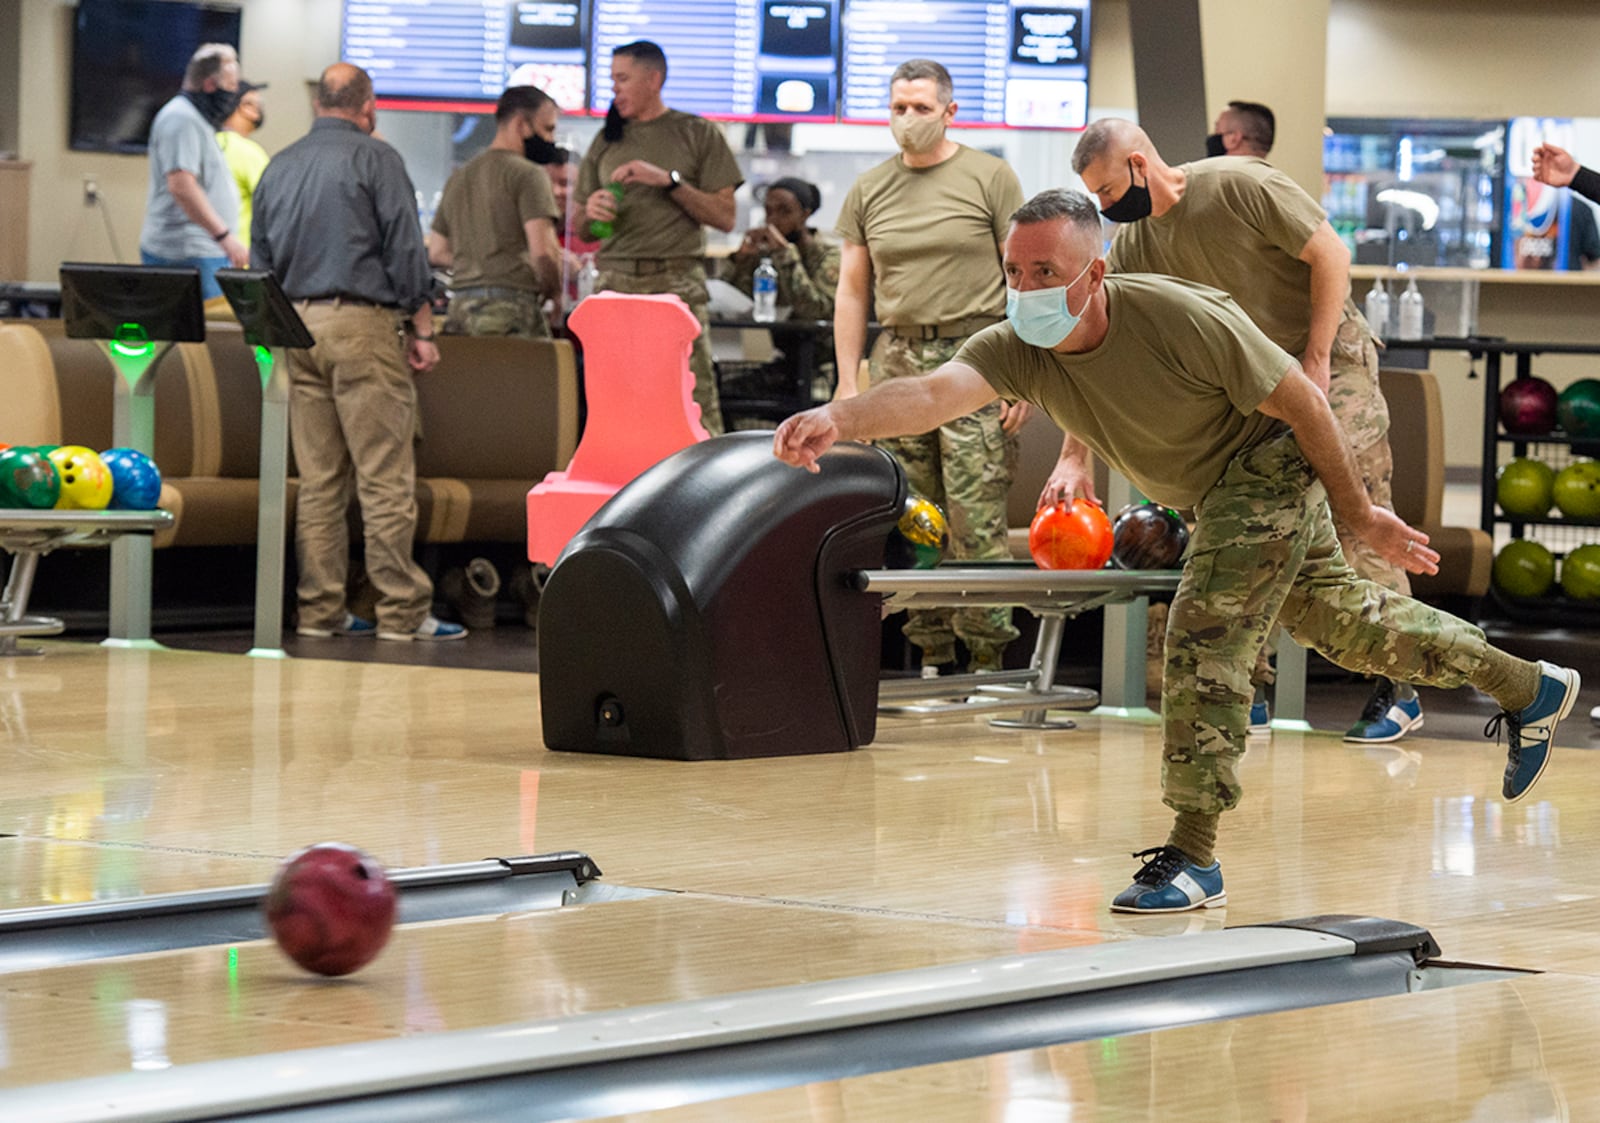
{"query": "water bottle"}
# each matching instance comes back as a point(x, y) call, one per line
point(766, 293)
point(601, 229)
point(1411, 312)
point(1377, 309)
point(587, 276)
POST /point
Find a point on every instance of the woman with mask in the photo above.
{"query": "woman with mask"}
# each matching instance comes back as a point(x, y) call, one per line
point(922, 233)
point(807, 264)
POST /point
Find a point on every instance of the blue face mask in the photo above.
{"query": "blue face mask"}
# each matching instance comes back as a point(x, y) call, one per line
point(1040, 317)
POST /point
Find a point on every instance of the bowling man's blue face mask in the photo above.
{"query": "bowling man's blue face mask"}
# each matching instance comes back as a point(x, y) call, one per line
point(1040, 317)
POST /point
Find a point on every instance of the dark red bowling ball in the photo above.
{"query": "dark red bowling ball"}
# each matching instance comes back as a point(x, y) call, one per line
point(1528, 406)
point(330, 908)
point(1148, 536)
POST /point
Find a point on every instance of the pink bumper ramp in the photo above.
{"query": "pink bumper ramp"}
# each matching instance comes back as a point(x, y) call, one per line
point(639, 391)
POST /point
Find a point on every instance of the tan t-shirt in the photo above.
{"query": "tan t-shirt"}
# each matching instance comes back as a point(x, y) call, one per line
point(1168, 397)
point(934, 236)
point(1238, 227)
point(483, 210)
point(649, 223)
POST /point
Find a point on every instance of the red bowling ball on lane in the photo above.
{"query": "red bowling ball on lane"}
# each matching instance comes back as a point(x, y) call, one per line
point(330, 908)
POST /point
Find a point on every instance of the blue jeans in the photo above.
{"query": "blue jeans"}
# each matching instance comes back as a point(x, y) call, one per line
point(208, 267)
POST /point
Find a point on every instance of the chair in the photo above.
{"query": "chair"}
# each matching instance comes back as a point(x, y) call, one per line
point(28, 387)
point(641, 409)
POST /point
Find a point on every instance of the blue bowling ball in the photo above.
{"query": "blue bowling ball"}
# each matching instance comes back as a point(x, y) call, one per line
point(135, 479)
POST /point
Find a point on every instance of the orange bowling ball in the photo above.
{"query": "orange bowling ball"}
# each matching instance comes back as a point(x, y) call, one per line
point(1070, 536)
point(330, 908)
point(85, 479)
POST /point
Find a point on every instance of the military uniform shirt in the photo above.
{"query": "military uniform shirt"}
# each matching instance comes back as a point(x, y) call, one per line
point(1168, 397)
point(486, 205)
point(649, 224)
point(934, 236)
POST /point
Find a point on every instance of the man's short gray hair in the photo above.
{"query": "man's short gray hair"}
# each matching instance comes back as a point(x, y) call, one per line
point(207, 62)
point(1059, 203)
point(913, 69)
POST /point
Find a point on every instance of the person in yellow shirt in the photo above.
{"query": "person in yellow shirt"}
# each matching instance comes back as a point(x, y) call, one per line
point(246, 158)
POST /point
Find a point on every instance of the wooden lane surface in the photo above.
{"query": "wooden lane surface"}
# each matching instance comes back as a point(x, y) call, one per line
point(1508, 1052)
point(211, 1003)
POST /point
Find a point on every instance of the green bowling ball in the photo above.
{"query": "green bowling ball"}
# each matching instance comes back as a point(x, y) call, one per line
point(1578, 409)
point(1577, 489)
point(1524, 569)
point(921, 537)
point(1525, 488)
point(28, 479)
point(1580, 573)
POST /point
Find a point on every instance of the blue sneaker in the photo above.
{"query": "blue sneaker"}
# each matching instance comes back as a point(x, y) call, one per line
point(351, 626)
point(1528, 734)
point(431, 630)
point(1385, 718)
point(1170, 882)
point(1260, 718)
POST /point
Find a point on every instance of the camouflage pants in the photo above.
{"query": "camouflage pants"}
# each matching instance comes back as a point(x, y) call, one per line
point(1265, 552)
point(966, 468)
point(505, 312)
point(1363, 415)
point(689, 285)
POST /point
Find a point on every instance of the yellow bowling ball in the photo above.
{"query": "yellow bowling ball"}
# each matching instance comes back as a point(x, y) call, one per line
point(85, 479)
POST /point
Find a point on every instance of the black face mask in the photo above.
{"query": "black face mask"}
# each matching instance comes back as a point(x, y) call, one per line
point(261, 118)
point(1214, 145)
point(615, 122)
point(1134, 204)
point(541, 151)
point(216, 106)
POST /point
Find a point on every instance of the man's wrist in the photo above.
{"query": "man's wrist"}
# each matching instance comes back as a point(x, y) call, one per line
point(222, 237)
point(417, 334)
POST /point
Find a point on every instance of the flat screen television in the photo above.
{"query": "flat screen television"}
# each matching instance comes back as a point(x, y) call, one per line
point(128, 58)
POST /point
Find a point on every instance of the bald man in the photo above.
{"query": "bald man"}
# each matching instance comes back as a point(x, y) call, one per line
point(336, 222)
point(1240, 225)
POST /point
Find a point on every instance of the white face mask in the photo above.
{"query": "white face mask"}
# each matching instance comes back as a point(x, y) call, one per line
point(1040, 317)
point(917, 134)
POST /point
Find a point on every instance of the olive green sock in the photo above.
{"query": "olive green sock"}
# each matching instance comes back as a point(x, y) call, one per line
point(1195, 833)
point(1508, 680)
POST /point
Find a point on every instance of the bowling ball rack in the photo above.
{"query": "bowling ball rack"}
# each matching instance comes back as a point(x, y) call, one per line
point(29, 534)
point(1054, 596)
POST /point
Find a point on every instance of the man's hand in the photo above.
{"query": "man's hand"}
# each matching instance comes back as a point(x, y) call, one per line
point(642, 171)
point(1068, 480)
point(601, 205)
point(1401, 544)
point(1013, 415)
point(1553, 165)
point(237, 252)
point(804, 437)
point(1318, 368)
point(422, 354)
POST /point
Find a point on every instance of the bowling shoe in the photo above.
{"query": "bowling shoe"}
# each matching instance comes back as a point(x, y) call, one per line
point(1169, 882)
point(1260, 719)
point(351, 626)
point(1385, 717)
point(1528, 733)
point(431, 630)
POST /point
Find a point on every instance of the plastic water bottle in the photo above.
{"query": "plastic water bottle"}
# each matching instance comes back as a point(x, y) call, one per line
point(588, 275)
point(1377, 309)
point(601, 229)
point(1411, 312)
point(766, 293)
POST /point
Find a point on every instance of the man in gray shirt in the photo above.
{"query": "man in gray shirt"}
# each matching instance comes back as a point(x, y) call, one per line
point(336, 222)
point(191, 216)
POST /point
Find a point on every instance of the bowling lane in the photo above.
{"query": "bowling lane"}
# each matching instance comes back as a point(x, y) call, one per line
point(1512, 1050)
point(38, 872)
point(220, 1002)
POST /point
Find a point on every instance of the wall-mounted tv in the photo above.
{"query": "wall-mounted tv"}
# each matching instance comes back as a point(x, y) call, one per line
point(128, 58)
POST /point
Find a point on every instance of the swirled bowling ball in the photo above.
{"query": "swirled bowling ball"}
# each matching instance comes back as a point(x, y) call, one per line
point(1580, 573)
point(135, 479)
point(85, 482)
point(1074, 535)
point(330, 908)
point(1524, 568)
point(1527, 406)
point(1525, 487)
point(1577, 489)
point(1148, 536)
point(1578, 409)
point(921, 537)
point(28, 479)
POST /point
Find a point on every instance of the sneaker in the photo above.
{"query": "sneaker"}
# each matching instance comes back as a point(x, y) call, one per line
point(1260, 718)
point(1594, 715)
point(1170, 882)
point(1528, 734)
point(431, 630)
point(1385, 719)
point(352, 626)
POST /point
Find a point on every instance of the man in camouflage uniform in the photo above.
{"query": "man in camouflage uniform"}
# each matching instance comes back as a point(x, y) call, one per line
point(496, 227)
point(1175, 387)
point(1239, 225)
point(922, 235)
point(676, 175)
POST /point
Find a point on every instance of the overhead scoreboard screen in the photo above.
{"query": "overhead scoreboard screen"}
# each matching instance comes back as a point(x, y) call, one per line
point(1018, 63)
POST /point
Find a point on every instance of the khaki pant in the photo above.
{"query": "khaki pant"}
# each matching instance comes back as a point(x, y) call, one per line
point(689, 285)
point(352, 416)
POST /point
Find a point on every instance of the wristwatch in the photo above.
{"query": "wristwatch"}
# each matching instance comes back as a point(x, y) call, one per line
point(677, 181)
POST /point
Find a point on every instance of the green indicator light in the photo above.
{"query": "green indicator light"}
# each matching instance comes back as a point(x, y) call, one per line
point(133, 341)
point(233, 969)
